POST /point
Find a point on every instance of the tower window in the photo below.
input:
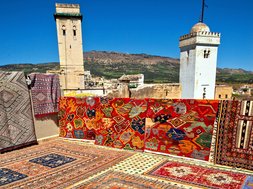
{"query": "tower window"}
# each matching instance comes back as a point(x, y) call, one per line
point(204, 93)
point(206, 53)
point(226, 96)
point(63, 30)
point(166, 92)
point(74, 30)
point(219, 96)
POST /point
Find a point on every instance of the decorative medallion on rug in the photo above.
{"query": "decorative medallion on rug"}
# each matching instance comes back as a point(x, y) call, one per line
point(180, 127)
point(198, 176)
point(122, 124)
point(45, 90)
point(78, 117)
point(55, 164)
point(16, 120)
point(52, 160)
point(235, 134)
point(112, 179)
point(8, 176)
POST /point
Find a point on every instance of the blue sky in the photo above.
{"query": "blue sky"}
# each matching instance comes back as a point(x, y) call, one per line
point(28, 30)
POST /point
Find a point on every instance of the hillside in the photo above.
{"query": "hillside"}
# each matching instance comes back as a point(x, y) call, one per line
point(112, 65)
point(155, 68)
point(28, 68)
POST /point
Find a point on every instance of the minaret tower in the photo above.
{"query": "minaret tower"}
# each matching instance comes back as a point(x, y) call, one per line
point(198, 61)
point(69, 33)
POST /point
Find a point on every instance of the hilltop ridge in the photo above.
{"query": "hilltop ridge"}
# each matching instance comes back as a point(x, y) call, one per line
point(157, 69)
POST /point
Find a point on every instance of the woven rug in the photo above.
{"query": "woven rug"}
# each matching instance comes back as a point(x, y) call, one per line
point(248, 184)
point(198, 176)
point(122, 124)
point(235, 134)
point(55, 164)
point(16, 123)
point(45, 90)
point(181, 127)
point(119, 180)
point(78, 117)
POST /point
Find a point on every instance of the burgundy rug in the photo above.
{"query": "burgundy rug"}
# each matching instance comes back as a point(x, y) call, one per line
point(45, 89)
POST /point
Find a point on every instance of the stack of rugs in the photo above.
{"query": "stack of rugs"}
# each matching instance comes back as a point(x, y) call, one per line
point(210, 130)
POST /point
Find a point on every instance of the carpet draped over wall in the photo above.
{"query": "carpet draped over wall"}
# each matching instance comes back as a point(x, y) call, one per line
point(45, 90)
point(16, 120)
point(234, 145)
point(178, 127)
point(181, 127)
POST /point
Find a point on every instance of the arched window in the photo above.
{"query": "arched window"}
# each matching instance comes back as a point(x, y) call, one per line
point(206, 53)
point(74, 31)
point(63, 30)
point(204, 93)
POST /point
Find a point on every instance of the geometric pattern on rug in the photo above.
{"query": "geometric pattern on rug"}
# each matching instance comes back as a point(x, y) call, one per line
point(113, 179)
point(87, 161)
point(8, 176)
point(197, 175)
point(235, 134)
point(181, 127)
point(138, 163)
point(16, 123)
point(52, 160)
point(78, 117)
point(248, 184)
point(45, 91)
point(28, 168)
point(122, 124)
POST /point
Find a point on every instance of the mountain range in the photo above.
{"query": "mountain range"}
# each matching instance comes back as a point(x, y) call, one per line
point(156, 69)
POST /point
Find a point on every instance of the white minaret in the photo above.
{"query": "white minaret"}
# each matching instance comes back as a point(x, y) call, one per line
point(69, 33)
point(198, 62)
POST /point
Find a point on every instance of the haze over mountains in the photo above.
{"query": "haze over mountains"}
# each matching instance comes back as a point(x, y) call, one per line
point(157, 69)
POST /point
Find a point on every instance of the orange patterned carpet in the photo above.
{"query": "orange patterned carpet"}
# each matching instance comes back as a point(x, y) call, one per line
point(60, 163)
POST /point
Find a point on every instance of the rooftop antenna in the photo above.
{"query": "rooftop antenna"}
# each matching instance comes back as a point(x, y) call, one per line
point(202, 11)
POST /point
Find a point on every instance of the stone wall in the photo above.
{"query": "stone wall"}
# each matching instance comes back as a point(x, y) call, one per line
point(121, 92)
point(223, 92)
point(170, 90)
point(46, 126)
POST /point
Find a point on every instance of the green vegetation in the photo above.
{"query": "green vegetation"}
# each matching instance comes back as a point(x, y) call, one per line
point(162, 72)
point(154, 73)
point(235, 78)
point(29, 68)
point(156, 69)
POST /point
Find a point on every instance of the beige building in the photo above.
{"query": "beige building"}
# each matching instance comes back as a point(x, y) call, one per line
point(134, 80)
point(168, 90)
point(69, 34)
point(223, 92)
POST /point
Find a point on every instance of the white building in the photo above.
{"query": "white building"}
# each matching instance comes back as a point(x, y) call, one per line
point(198, 61)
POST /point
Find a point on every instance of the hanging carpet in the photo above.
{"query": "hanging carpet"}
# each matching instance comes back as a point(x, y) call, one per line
point(45, 90)
point(235, 134)
point(122, 124)
point(16, 122)
point(78, 117)
point(180, 127)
